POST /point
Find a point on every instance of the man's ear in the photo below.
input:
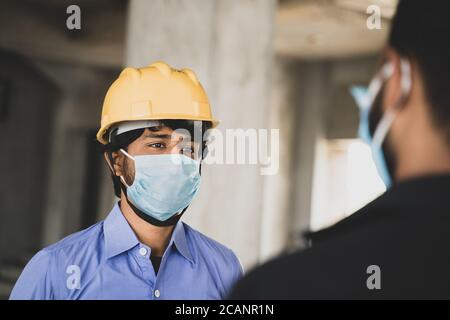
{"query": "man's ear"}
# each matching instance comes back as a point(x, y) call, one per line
point(117, 165)
point(392, 88)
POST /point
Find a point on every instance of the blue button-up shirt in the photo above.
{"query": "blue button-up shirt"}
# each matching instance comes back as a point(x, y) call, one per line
point(107, 261)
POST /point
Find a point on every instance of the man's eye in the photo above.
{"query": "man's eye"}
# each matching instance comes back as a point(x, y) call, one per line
point(157, 145)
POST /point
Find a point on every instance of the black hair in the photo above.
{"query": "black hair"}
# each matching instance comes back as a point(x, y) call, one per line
point(122, 141)
point(421, 31)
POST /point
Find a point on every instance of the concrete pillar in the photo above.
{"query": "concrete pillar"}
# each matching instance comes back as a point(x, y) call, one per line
point(228, 43)
point(307, 94)
point(278, 199)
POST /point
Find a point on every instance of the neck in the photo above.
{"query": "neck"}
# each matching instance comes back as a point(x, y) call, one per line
point(428, 156)
point(422, 148)
point(157, 238)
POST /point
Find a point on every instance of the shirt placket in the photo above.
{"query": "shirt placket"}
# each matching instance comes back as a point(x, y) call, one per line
point(143, 253)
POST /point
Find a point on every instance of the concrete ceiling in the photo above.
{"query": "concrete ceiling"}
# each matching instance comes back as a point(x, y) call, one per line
point(307, 29)
point(327, 29)
point(39, 31)
point(66, 3)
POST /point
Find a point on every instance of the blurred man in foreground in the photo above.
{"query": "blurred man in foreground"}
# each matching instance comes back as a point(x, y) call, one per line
point(397, 246)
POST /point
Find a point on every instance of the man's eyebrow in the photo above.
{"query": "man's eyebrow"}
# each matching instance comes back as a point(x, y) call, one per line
point(157, 135)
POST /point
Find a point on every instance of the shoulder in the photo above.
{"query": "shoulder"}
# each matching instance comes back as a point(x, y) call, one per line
point(83, 250)
point(43, 273)
point(76, 241)
point(334, 267)
point(367, 217)
point(219, 261)
point(211, 248)
point(33, 282)
point(305, 274)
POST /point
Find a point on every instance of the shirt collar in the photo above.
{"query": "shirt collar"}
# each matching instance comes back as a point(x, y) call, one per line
point(179, 238)
point(120, 237)
point(428, 192)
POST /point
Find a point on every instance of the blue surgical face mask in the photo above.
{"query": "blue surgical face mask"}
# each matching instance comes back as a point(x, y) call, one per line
point(365, 98)
point(164, 184)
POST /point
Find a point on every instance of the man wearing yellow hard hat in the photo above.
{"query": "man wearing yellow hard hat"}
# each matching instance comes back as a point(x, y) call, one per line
point(142, 250)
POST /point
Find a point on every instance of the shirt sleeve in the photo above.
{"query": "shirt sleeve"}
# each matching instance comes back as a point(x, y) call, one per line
point(33, 283)
point(237, 271)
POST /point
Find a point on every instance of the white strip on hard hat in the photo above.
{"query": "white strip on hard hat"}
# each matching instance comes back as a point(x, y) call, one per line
point(126, 126)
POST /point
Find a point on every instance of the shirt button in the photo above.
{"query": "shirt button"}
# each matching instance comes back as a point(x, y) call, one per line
point(157, 293)
point(142, 251)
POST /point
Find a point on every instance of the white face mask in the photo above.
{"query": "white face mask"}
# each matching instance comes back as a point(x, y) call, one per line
point(164, 184)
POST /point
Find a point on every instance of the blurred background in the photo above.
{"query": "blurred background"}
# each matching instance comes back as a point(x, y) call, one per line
point(283, 64)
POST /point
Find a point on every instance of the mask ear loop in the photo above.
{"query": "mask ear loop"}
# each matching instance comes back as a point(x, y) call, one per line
point(127, 154)
point(132, 158)
point(375, 85)
point(386, 121)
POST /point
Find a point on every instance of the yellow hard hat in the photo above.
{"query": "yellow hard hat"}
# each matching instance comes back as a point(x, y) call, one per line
point(156, 92)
